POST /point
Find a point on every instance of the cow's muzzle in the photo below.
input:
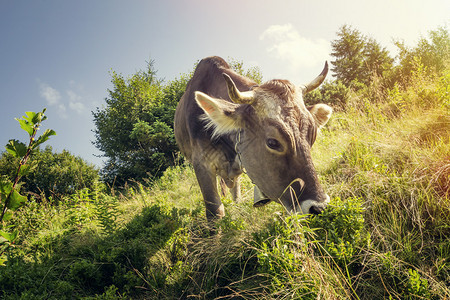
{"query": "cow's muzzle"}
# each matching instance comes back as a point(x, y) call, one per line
point(314, 207)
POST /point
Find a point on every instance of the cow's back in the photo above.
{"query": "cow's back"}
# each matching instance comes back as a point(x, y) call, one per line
point(190, 131)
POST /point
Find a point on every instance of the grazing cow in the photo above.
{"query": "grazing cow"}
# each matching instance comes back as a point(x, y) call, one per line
point(225, 123)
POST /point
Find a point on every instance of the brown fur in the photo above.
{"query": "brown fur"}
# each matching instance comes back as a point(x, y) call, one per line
point(284, 89)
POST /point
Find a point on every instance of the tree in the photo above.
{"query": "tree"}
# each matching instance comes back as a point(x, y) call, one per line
point(53, 174)
point(334, 93)
point(357, 57)
point(376, 60)
point(135, 129)
point(348, 53)
point(10, 198)
point(432, 54)
point(252, 73)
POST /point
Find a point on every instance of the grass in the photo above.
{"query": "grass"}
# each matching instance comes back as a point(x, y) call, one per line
point(386, 164)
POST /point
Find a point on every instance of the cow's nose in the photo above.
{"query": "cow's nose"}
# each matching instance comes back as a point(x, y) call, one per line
point(315, 210)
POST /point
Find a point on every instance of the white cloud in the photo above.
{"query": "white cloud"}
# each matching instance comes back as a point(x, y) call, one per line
point(286, 44)
point(51, 95)
point(72, 100)
point(77, 106)
point(73, 96)
point(75, 101)
point(62, 111)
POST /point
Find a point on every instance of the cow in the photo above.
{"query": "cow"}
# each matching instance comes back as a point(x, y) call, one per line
point(226, 124)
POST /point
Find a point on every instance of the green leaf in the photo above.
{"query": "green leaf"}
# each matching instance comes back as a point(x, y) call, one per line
point(16, 200)
point(10, 237)
point(25, 169)
point(31, 117)
point(48, 133)
point(44, 137)
point(16, 148)
point(25, 125)
point(5, 189)
point(39, 118)
point(7, 216)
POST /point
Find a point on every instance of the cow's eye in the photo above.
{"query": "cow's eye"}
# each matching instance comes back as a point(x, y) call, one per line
point(274, 144)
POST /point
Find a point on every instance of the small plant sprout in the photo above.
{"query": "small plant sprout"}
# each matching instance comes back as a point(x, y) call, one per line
point(10, 198)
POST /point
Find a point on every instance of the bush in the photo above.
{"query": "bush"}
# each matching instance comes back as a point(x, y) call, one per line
point(333, 93)
point(443, 90)
point(340, 229)
point(282, 250)
point(135, 129)
point(291, 254)
point(53, 174)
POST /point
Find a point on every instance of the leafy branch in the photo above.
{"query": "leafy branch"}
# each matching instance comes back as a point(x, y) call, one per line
point(10, 198)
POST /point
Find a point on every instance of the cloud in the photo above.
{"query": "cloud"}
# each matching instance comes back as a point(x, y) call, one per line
point(51, 95)
point(286, 44)
point(72, 101)
point(77, 106)
point(75, 102)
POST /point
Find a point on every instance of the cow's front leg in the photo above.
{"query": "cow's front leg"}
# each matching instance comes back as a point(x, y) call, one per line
point(208, 185)
point(236, 190)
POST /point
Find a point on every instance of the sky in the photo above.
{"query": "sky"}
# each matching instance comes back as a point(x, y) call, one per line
point(59, 54)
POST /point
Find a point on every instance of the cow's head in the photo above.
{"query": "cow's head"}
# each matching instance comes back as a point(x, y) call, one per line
point(274, 134)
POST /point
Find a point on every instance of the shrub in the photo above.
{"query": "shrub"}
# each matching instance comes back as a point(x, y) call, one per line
point(416, 286)
point(333, 93)
point(443, 90)
point(291, 254)
point(282, 250)
point(10, 199)
point(340, 229)
point(135, 129)
point(53, 174)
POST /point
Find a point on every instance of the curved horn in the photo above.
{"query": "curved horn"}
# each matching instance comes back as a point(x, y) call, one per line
point(235, 95)
point(317, 81)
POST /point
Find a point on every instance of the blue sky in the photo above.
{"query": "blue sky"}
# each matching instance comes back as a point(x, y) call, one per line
point(58, 54)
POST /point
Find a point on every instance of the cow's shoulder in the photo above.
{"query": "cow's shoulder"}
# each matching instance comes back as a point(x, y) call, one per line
point(214, 62)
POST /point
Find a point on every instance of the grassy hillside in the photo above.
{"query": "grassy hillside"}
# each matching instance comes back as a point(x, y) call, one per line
point(385, 161)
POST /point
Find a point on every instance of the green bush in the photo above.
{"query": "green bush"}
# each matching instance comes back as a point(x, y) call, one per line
point(333, 93)
point(292, 251)
point(10, 198)
point(340, 229)
point(282, 249)
point(443, 90)
point(53, 174)
point(416, 286)
point(135, 129)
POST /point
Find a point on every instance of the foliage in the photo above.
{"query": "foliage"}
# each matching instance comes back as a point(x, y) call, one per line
point(106, 210)
point(53, 174)
point(333, 93)
point(432, 53)
point(252, 72)
point(357, 57)
point(341, 229)
point(114, 262)
point(443, 90)
point(10, 199)
point(135, 129)
point(417, 286)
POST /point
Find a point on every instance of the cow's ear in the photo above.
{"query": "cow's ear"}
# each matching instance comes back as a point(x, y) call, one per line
point(220, 114)
point(321, 113)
